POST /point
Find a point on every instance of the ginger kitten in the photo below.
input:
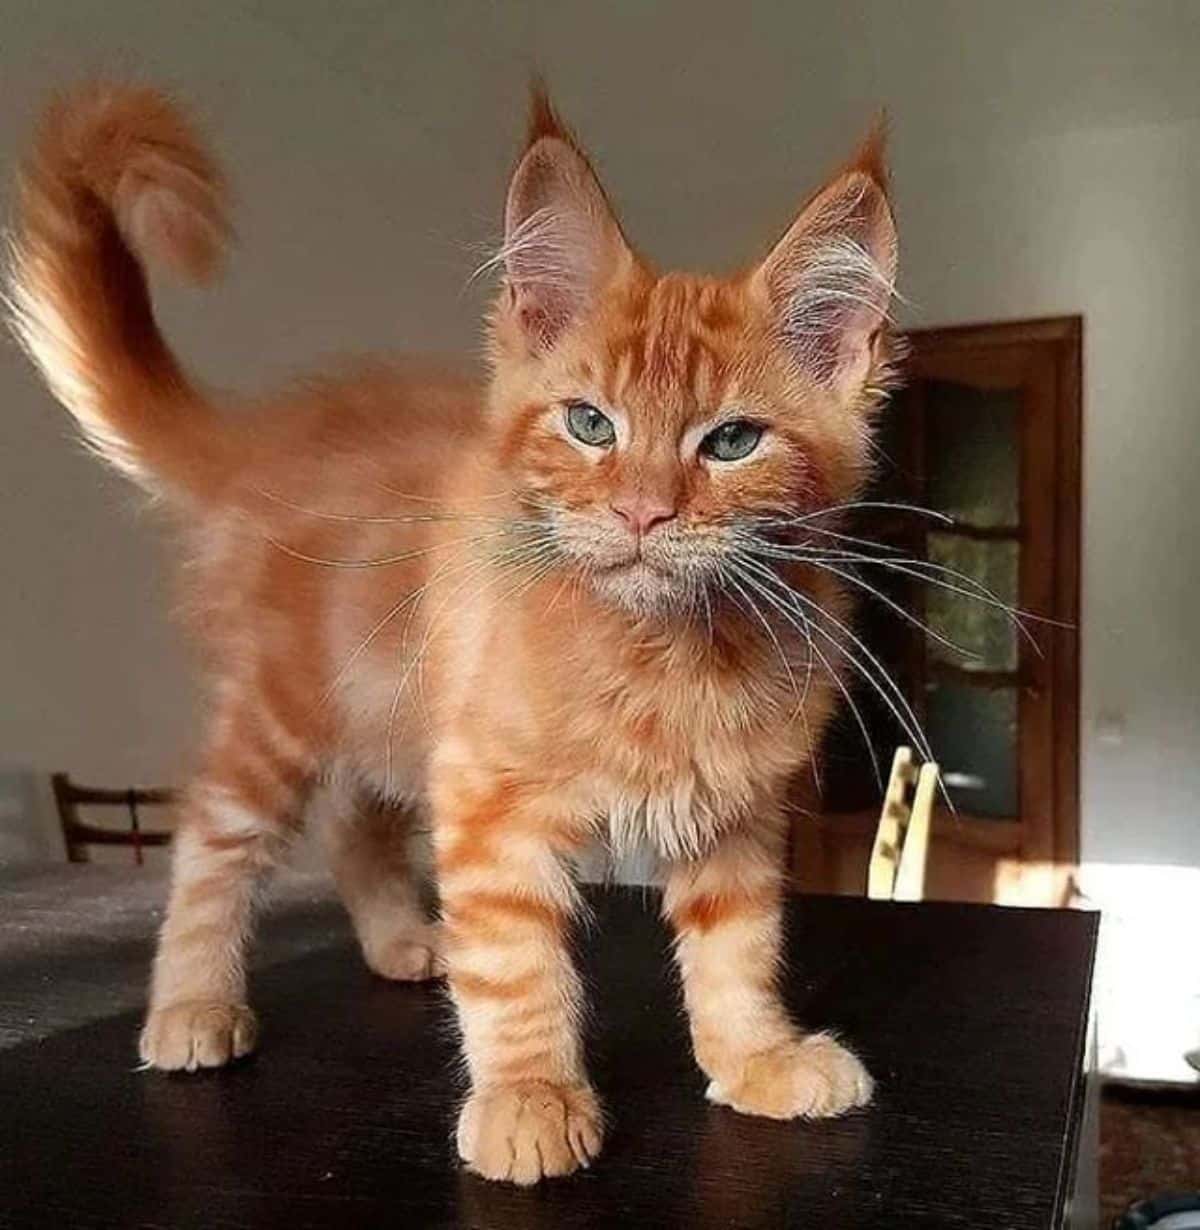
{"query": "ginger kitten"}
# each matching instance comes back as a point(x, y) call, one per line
point(535, 613)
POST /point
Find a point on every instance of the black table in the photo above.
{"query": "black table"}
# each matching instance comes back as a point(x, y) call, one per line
point(972, 1019)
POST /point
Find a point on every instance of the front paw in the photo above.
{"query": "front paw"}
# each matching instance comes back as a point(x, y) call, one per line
point(525, 1132)
point(197, 1034)
point(812, 1078)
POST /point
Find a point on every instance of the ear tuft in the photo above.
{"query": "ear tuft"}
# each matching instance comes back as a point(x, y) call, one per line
point(561, 239)
point(870, 158)
point(830, 280)
point(543, 119)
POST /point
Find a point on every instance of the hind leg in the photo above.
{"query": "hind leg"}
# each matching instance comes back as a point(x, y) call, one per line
point(237, 818)
point(371, 852)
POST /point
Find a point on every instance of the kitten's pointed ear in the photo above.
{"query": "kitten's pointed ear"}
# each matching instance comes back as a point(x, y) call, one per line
point(829, 281)
point(561, 238)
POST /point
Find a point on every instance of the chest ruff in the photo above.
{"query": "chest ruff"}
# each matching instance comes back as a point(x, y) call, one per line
point(676, 771)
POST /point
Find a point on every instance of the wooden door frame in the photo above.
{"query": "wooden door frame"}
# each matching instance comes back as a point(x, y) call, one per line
point(1036, 856)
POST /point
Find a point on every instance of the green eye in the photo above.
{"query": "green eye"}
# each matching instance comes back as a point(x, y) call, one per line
point(732, 441)
point(589, 425)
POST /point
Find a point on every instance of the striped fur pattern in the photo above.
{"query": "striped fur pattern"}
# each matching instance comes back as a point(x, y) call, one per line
point(433, 595)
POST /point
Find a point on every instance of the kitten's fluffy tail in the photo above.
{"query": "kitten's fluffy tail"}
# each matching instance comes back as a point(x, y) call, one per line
point(117, 177)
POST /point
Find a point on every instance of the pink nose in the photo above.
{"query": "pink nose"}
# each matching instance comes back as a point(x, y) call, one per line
point(642, 513)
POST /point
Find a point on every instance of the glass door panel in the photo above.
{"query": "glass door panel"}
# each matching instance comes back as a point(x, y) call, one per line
point(972, 447)
point(974, 733)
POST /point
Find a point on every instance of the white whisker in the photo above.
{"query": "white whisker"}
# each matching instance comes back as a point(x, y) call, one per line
point(362, 519)
point(801, 697)
point(878, 677)
point(962, 650)
point(429, 499)
point(383, 561)
point(798, 620)
point(971, 588)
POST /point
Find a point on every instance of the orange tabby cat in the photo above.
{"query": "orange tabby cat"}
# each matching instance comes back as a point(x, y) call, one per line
point(527, 612)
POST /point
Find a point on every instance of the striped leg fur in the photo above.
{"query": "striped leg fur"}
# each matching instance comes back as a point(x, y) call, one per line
point(726, 911)
point(237, 819)
point(507, 902)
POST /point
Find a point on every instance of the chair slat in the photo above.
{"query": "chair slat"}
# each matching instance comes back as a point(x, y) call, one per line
point(896, 871)
point(78, 835)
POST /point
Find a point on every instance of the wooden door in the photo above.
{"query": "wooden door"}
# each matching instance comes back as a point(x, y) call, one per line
point(986, 434)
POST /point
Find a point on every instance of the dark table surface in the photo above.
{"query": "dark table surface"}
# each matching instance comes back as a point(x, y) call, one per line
point(972, 1019)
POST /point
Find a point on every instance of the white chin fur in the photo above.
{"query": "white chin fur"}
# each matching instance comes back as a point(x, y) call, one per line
point(643, 590)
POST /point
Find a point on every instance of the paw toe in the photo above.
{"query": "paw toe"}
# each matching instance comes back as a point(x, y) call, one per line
point(526, 1132)
point(197, 1034)
point(814, 1077)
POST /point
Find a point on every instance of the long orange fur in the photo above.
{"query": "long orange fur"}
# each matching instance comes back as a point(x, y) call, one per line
point(428, 593)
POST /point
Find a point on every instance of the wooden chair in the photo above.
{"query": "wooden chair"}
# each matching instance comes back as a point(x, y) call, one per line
point(78, 835)
point(901, 849)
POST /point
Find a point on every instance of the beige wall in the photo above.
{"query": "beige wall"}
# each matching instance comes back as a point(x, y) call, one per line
point(1047, 160)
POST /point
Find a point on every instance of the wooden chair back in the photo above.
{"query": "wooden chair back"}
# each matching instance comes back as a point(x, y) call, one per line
point(901, 849)
point(78, 835)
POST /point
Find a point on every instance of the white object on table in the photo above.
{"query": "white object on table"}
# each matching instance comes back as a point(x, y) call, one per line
point(901, 849)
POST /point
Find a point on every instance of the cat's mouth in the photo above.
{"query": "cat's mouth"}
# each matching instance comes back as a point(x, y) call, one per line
point(633, 565)
point(642, 575)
